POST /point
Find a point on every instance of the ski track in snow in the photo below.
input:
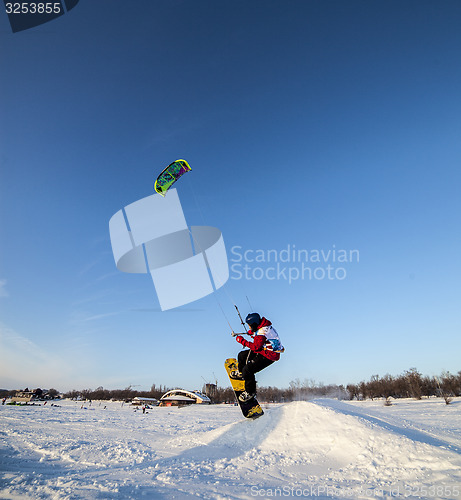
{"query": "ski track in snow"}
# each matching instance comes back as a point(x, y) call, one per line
point(320, 449)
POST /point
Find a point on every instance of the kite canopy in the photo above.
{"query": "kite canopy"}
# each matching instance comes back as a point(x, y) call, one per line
point(170, 175)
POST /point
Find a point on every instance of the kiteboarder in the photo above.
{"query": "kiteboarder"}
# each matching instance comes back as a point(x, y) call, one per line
point(262, 352)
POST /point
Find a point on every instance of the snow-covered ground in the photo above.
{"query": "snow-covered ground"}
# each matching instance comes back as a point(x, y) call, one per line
point(320, 449)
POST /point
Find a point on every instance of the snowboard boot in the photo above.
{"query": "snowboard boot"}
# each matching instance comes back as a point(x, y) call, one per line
point(236, 375)
point(246, 396)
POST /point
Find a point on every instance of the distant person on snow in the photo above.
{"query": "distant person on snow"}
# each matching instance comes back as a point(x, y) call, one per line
point(263, 351)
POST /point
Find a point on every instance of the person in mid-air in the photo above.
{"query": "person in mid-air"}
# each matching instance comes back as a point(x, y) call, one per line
point(262, 352)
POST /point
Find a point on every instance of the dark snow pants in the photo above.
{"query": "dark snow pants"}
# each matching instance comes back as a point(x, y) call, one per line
point(250, 363)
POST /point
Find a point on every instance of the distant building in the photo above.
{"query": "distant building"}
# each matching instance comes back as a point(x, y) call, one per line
point(180, 397)
point(139, 400)
point(23, 397)
point(26, 396)
point(210, 390)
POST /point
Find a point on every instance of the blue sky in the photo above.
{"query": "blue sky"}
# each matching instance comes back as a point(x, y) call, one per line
point(314, 125)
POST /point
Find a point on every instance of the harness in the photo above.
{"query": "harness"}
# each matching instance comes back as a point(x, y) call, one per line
point(273, 342)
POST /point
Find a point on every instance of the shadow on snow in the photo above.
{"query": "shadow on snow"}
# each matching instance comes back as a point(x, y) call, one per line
point(413, 434)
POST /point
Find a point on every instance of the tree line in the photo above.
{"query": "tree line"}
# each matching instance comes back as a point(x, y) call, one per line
point(126, 394)
point(410, 384)
point(297, 390)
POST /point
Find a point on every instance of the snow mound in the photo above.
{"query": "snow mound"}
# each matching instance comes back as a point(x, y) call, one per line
point(321, 449)
point(305, 442)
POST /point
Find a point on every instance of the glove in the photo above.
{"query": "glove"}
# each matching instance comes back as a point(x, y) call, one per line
point(240, 339)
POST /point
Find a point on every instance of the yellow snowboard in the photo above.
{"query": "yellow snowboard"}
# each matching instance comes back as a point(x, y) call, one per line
point(250, 408)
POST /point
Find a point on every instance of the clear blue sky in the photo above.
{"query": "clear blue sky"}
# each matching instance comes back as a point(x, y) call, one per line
point(315, 124)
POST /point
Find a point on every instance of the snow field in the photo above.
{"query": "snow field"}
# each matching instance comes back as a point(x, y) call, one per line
point(319, 449)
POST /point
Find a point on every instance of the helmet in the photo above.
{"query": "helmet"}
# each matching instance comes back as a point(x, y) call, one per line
point(253, 320)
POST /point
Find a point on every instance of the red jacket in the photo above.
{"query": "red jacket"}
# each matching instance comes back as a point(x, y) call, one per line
point(259, 341)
